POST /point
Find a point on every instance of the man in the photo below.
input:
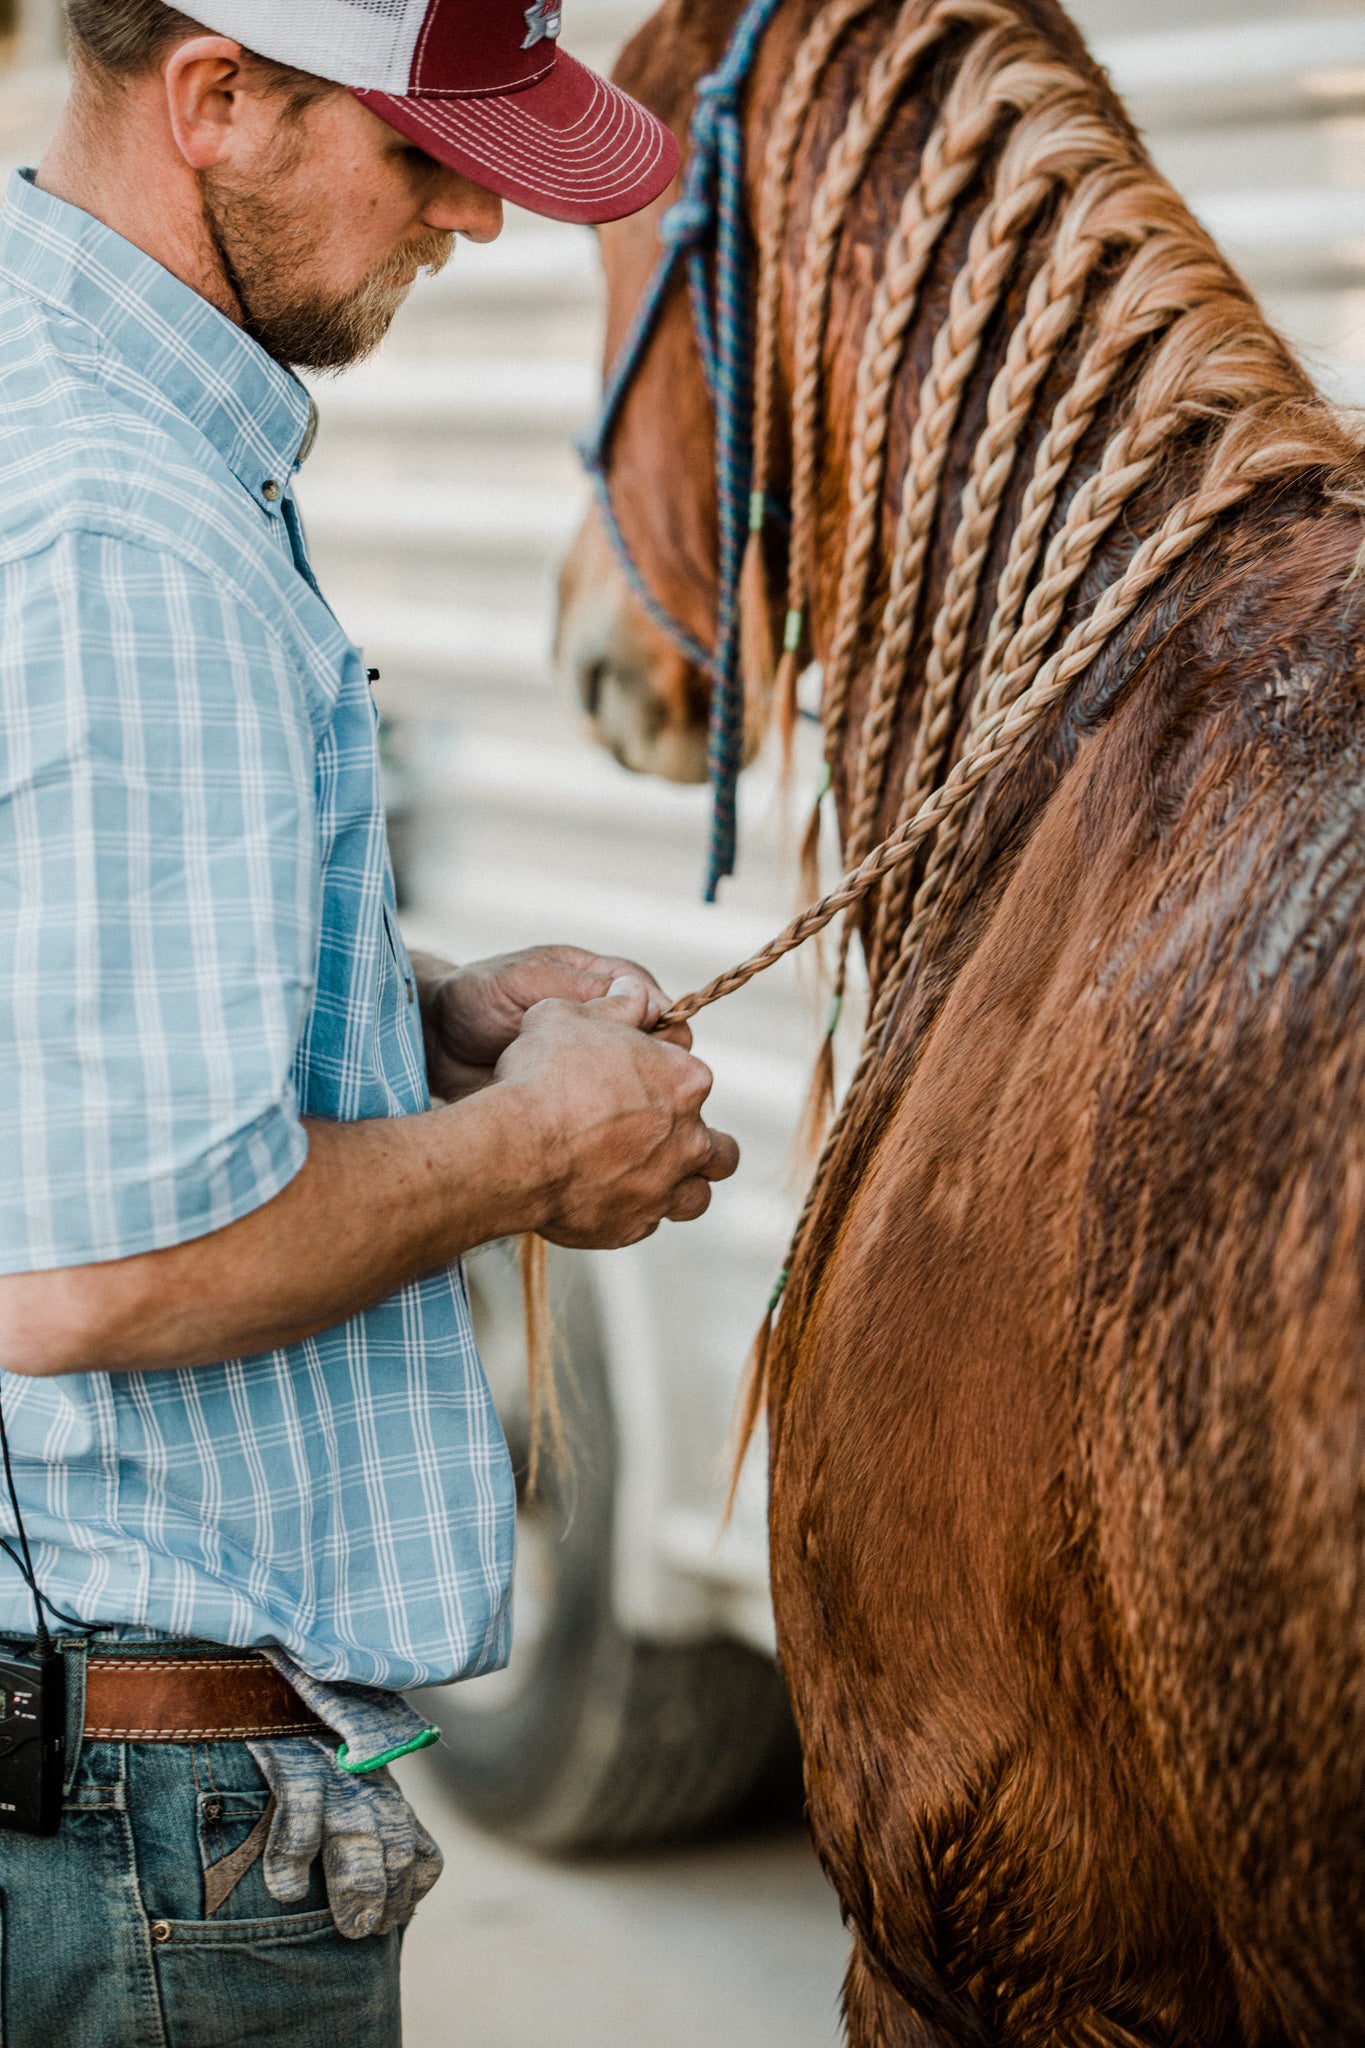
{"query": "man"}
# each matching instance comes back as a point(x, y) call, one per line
point(217, 1141)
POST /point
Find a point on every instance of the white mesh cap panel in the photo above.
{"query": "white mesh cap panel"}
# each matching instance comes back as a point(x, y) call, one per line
point(369, 43)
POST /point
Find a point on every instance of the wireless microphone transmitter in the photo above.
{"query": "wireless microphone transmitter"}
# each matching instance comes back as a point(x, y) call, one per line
point(32, 1742)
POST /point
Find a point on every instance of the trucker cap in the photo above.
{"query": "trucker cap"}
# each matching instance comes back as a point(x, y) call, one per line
point(481, 85)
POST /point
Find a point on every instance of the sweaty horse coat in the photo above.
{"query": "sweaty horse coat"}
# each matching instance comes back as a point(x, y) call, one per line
point(1067, 1393)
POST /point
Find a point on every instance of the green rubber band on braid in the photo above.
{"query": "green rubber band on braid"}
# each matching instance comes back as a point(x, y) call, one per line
point(390, 1756)
point(783, 1277)
point(836, 1011)
point(791, 638)
point(758, 511)
point(826, 783)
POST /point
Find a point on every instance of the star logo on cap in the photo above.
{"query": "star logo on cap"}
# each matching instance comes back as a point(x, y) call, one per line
point(542, 22)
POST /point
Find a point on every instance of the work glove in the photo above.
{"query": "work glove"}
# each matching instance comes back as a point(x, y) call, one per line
point(378, 1860)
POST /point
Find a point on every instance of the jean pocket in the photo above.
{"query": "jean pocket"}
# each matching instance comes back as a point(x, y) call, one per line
point(291, 1981)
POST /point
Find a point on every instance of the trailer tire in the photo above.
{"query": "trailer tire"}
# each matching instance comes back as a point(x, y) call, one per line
point(595, 1740)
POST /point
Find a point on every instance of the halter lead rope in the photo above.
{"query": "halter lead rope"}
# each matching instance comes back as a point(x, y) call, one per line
point(706, 230)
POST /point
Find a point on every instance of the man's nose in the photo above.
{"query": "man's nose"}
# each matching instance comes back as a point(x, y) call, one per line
point(463, 208)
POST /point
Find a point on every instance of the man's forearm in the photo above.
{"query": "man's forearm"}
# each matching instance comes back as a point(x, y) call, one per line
point(375, 1205)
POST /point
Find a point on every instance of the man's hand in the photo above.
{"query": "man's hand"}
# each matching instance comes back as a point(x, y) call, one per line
point(471, 1015)
point(615, 1106)
point(615, 1117)
point(588, 1128)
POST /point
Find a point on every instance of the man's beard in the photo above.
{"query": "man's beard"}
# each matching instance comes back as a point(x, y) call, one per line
point(265, 252)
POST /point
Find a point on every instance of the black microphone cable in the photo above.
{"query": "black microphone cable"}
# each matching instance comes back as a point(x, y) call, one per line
point(42, 1640)
point(24, 1565)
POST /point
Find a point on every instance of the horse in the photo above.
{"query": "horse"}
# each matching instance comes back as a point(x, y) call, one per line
point(1066, 1397)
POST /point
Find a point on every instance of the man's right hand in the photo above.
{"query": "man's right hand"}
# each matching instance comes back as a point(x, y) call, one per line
point(591, 1133)
point(617, 1115)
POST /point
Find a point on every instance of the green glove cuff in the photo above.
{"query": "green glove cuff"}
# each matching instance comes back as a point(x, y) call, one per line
point(390, 1756)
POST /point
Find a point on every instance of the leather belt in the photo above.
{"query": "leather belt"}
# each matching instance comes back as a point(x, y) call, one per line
point(198, 1697)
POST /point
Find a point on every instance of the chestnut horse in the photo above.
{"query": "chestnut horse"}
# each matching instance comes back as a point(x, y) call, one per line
point(1067, 1395)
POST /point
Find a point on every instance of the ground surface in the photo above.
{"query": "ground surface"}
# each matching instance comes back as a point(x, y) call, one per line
point(734, 1945)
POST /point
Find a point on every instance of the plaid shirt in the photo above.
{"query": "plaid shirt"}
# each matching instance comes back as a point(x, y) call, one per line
point(198, 947)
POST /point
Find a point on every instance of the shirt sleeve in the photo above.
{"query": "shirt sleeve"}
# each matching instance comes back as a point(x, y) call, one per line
point(159, 905)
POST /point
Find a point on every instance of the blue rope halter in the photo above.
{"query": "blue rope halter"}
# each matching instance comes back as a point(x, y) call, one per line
point(706, 230)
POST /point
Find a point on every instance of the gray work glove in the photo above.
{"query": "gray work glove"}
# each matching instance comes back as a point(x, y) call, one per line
point(378, 1860)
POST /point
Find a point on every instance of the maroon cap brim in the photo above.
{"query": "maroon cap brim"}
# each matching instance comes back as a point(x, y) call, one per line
point(571, 146)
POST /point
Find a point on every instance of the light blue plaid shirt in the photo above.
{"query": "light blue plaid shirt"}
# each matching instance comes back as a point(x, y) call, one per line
point(197, 947)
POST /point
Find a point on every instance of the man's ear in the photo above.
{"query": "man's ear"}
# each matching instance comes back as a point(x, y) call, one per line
point(205, 100)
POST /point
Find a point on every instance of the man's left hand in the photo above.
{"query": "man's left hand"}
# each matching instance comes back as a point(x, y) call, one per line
point(471, 1015)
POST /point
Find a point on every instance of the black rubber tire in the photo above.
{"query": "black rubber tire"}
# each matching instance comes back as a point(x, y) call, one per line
point(607, 1742)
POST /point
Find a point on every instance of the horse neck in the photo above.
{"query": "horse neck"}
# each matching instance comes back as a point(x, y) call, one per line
point(1000, 347)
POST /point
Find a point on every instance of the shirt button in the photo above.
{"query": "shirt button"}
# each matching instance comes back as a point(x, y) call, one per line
point(161, 1930)
point(270, 492)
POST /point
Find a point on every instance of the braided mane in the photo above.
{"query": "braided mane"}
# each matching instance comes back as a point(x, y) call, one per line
point(1088, 388)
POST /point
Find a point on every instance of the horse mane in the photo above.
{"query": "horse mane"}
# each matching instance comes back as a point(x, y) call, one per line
point(1061, 389)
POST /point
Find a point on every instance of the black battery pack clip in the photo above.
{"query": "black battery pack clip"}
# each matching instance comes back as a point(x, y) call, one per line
point(32, 1742)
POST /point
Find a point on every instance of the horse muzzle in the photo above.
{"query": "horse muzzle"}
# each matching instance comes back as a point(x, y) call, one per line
point(644, 701)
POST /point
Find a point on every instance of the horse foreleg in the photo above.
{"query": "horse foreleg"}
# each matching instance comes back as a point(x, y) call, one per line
point(875, 2014)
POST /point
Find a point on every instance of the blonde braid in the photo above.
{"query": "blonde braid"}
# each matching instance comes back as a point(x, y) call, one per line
point(988, 84)
point(1060, 136)
point(812, 61)
point(1192, 375)
point(1101, 215)
point(1008, 70)
point(911, 40)
point(1165, 279)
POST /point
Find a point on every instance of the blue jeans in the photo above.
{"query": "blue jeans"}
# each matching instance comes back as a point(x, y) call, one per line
point(105, 1941)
